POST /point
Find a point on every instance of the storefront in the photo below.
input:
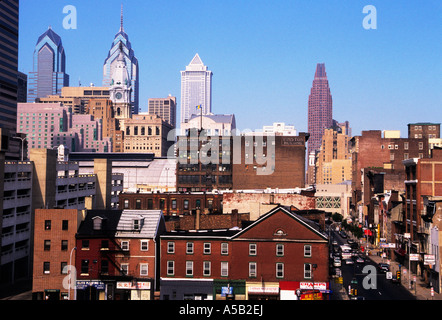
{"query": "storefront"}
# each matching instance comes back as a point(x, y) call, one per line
point(262, 290)
point(186, 289)
point(296, 290)
point(134, 290)
point(90, 290)
point(229, 289)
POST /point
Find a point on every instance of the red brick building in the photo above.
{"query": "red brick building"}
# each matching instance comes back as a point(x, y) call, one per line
point(371, 150)
point(280, 246)
point(117, 255)
point(54, 243)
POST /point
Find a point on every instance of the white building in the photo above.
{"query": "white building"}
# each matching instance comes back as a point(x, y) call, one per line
point(214, 124)
point(196, 89)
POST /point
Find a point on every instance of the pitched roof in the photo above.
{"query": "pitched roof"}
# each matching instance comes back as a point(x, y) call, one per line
point(109, 218)
point(145, 227)
point(196, 60)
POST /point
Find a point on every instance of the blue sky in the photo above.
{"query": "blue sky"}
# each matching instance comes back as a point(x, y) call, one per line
point(263, 54)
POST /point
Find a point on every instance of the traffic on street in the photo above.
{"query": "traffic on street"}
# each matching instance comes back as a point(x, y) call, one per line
point(360, 276)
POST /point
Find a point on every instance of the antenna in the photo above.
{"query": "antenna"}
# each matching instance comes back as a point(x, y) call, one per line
point(121, 22)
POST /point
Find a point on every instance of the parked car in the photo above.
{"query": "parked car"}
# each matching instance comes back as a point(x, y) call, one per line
point(336, 262)
point(349, 261)
point(383, 267)
point(360, 260)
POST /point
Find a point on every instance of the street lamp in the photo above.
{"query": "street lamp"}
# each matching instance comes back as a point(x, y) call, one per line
point(22, 143)
point(70, 272)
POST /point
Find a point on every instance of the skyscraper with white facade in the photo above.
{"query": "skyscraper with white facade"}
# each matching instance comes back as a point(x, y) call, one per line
point(196, 89)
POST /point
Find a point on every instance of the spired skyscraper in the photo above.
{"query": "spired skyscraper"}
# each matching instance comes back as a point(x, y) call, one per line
point(320, 109)
point(121, 40)
point(49, 68)
point(196, 89)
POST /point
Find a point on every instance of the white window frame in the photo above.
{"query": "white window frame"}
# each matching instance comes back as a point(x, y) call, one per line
point(189, 247)
point(125, 245)
point(224, 248)
point(171, 247)
point(252, 269)
point(144, 269)
point(189, 268)
point(307, 271)
point(207, 268)
point(146, 243)
point(279, 270)
point(308, 250)
point(224, 269)
point(207, 248)
point(170, 268)
point(279, 250)
point(253, 249)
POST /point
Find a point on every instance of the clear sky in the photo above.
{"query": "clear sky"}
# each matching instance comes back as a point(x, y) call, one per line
point(263, 54)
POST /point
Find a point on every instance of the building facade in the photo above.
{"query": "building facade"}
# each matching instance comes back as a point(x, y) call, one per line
point(320, 108)
point(165, 108)
point(49, 67)
point(244, 264)
point(196, 89)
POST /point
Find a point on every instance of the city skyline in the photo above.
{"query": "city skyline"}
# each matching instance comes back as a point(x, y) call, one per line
point(263, 55)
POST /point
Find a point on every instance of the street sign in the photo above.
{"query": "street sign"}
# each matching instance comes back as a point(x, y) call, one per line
point(429, 259)
point(389, 275)
point(414, 257)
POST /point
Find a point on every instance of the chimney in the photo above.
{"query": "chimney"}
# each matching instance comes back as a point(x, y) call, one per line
point(197, 221)
point(234, 218)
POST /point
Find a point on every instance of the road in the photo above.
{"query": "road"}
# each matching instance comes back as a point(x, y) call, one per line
point(371, 284)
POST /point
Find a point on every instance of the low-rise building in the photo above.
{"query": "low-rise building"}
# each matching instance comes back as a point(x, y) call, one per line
point(245, 263)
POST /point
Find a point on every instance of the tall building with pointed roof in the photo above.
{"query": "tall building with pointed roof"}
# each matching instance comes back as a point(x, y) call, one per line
point(49, 69)
point(122, 44)
point(196, 89)
point(120, 88)
point(320, 107)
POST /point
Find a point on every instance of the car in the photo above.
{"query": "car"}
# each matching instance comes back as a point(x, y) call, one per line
point(336, 262)
point(335, 242)
point(349, 261)
point(383, 267)
point(360, 260)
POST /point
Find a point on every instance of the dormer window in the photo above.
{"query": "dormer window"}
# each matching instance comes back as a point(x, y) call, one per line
point(136, 224)
point(97, 223)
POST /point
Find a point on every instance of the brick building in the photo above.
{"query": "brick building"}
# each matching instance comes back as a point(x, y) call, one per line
point(240, 162)
point(372, 150)
point(117, 255)
point(248, 263)
point(173, 203)
point(54, 242)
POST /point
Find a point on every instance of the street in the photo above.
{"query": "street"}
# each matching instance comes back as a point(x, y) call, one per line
point(372, 284)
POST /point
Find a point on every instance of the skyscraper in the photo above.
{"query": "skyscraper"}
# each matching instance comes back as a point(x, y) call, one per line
point(165, 108)
point(49, 70)
point(320, 107)
point(196, 89)
point(122, 40)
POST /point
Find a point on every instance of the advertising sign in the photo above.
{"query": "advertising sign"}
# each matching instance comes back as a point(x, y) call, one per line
point(414, 257)
point(429, 259)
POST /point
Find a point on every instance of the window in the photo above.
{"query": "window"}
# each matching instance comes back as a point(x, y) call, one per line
point(307, 250)
point(125, 245)
point(136, 224)
point(46, 267)
point(64, 225)
point(224, 248)
point(252, 249)
point(97, 223)
point(189, 247)
point(280, 270)
point(126, 203)
point(64, 245)
point(47, 224)
point(63, 267)
point(186, 205)
point(47, 245)
point(170, 268)
point(104, 267)
point(174, 204)
point(138, 204)
point(207, 248)
point(104, 244)
point(144, 245)
point(252, 269)
point(85, 245)
point(170, 247)
point(206, 268)
point(124, 269)
point(224, 269)
point(307, 271)
point(84, 266)
point(421, 146)
point(279, 250)
point(189, 268)
point(406, 145)
point(150, 204)
point(144, 269)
